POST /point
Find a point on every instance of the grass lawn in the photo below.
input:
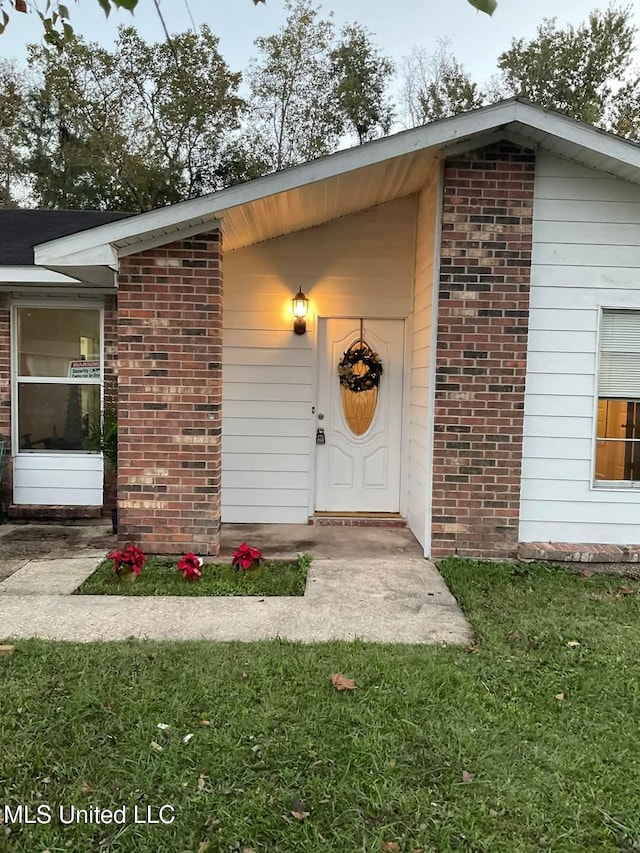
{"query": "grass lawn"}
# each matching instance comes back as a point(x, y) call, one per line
point(160, 577)
point(527, 743)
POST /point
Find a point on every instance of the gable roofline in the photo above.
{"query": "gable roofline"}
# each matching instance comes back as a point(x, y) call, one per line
point(105, 244)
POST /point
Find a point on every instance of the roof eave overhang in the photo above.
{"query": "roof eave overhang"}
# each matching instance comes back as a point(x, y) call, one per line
point(104, 245)
point(32, 275)
point(202, 214)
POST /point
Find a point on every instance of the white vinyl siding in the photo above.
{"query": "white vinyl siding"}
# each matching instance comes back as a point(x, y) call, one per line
point(360, 265)
point(58, 479)
point(586, 257)
point(420, 391)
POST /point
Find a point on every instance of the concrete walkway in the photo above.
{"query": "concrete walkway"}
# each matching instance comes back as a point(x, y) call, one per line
point(392, 596)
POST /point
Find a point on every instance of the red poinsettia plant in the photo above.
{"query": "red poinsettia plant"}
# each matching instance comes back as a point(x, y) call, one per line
point(129, 560)
point(245, 557)
point(191, 567)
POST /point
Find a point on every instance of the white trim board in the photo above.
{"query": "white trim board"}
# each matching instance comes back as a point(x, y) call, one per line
point(34, 275)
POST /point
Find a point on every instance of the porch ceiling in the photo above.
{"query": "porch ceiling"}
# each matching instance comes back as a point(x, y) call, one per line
point(314, 204)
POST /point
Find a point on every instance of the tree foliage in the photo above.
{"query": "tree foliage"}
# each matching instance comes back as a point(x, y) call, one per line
point(309, 87)
point(133, 128)
point(435, 85)
point(56, 18)
point(361, 76)
point(575, 70)
point(143, 125)
point(13, 92)
point(292, 96)
point(486, 6)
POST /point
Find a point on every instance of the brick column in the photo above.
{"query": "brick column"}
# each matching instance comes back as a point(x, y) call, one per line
point(110, 388)
point(170, 397)
point(6, 495)
point(483, 317)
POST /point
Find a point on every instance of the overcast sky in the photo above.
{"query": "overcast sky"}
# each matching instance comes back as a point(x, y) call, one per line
point(397, 25)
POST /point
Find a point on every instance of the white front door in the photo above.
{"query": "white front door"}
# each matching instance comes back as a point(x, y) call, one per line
point(359, 473)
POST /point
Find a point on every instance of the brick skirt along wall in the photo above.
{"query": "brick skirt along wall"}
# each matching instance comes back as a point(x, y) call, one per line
point(483, 309)
point(170, 397)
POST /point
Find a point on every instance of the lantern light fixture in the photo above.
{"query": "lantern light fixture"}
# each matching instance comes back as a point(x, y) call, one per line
point(300, 306)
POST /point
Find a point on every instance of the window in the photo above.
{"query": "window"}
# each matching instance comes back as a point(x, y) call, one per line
point(618, 422)
point(59, 376)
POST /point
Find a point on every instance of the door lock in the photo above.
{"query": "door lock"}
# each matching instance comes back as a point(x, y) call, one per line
point(320, 437)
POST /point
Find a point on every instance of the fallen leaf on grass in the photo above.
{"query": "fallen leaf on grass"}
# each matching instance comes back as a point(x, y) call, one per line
point(341, 683)
point(87, 787)
point(472, 649)
point(573, 644)
point(202, 780)
point(559, 697)
point(244, 676)
point(187, 738)
point(391, 847)
point(155, 746)
point(205, 723)
point(466, 776)
point(587, 573)
point(297, 809)
point(204, 845)
point(514, 635)
point(6, 651)
point(165, 730)
point(624, 590)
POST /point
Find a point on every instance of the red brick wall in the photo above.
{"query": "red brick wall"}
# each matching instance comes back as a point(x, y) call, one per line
point(483, 311)
point(170, 397)
point(5, 397)
point(110, 386)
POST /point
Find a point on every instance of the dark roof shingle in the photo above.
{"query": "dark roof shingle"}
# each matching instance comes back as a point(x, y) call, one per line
point(21, 230)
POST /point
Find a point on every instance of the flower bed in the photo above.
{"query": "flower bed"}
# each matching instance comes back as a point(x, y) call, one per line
point(160, 576)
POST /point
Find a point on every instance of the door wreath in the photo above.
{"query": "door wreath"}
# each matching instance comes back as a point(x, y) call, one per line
point(360, 353)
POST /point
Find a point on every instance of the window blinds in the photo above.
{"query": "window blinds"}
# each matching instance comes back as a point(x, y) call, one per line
point(619, 374)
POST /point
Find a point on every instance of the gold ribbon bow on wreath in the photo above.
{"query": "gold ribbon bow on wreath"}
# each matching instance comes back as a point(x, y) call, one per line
point(350, 369)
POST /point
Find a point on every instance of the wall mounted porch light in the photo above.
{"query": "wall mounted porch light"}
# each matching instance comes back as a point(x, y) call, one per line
point(300, 306)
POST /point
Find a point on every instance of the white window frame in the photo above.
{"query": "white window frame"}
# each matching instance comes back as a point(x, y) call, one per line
point(70, 304)
point(612, 485)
